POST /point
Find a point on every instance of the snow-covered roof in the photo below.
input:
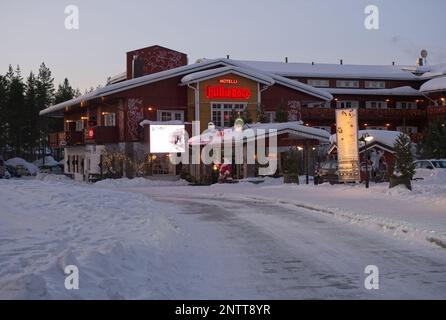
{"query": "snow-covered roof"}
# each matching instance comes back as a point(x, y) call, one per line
point(385, 137)
point(325, 70)
point(184, 70)
point(295, 128)
point(117, 78)
point(400, 91)
point(212, 73)
point(436, 84)
point(154, 123)
point(133, 83)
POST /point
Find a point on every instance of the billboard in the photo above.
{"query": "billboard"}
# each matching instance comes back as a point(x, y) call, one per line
point(348, 149)
point(167, 139)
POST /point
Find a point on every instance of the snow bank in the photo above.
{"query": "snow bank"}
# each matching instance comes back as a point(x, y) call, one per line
point(139, 182)
point(118, 240)
point(32, 169)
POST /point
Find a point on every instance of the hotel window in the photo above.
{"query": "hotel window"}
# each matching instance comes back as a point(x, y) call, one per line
point(347, 104)
point(347, 84)
point(164, 115)
point(271, 116)
point(79, 125)
point(221, 113)
point(375, 84)
point(376, 105)
point(110, 119)
point(326, 104)
point(318, 83)
point(408, 130)
point(406, 105)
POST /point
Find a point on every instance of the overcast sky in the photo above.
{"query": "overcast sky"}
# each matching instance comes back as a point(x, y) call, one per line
point(305, 31)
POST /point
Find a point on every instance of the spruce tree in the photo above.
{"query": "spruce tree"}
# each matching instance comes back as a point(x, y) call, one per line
point(64, 92)
point(403, 167)
point(281, 114)
point(32, 114)
point(261, 114)
point(433, 143)
point(44, 99)
point(15, 106)
point(3, 99)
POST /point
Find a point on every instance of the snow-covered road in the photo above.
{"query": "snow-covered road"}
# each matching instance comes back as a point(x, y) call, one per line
point(144, 240)
point(271, 252)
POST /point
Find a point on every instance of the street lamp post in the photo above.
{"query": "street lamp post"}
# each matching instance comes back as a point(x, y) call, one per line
point(366, 138)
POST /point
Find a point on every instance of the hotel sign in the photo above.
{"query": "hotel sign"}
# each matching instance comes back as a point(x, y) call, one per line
point(348, 149)
point(223, 92)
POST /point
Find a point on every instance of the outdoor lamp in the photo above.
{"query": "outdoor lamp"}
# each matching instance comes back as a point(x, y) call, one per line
point(366, 138)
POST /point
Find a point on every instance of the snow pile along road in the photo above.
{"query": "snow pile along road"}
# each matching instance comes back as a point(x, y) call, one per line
point(117, 240)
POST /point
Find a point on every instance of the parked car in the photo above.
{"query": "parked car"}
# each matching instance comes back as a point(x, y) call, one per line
point(2, 167)
point(427, 168)
point(327, 172)
point(51, 169)
point(13, 171)
point(22, 170)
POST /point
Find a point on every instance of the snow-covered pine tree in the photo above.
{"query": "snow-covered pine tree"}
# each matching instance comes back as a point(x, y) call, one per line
point(433, 144)
point(403, 166)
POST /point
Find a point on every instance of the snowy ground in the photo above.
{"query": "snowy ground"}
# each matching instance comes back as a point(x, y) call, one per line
point(148, 240)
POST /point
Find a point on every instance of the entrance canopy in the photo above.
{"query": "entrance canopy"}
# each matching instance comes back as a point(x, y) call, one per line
point(295, 130)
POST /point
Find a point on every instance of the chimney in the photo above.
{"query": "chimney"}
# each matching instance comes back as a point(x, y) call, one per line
point(227, 56)
point(286, 59)
point(137, 67)
point(341, 61)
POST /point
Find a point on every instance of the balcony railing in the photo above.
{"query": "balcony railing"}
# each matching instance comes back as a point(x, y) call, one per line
point(309, 114)
point(436, 111)
point(101, 135)
point(67, 138)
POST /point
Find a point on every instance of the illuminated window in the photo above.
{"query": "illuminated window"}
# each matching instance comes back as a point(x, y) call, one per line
point(375, 85)
point(222, 112)
point(406, 105)
point(347, 104)
point(376, 104)
point(318, 83)
point(80, 125)
point(347, 84)
point(110, 120)
point(170, 115)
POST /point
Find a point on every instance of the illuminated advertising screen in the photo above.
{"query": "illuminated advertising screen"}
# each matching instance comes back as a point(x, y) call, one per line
point(167, 139)
point(348, 149)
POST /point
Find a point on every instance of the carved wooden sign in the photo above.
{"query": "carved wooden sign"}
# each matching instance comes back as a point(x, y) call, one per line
point(348, 149)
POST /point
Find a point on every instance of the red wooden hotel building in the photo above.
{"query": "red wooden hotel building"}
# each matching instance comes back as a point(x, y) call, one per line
point(159, 85)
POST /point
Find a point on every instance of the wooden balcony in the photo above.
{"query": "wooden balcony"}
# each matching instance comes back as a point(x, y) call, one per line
point(101, 135)
point(67, 138)
point(433, 112)
point(309, 114)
